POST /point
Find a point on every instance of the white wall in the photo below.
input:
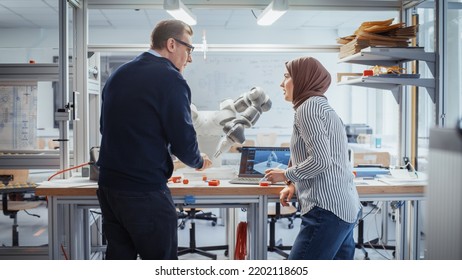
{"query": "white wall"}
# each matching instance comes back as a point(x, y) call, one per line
point(22, 45)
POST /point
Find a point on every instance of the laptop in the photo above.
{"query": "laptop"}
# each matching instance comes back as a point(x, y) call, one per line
point(255, 160)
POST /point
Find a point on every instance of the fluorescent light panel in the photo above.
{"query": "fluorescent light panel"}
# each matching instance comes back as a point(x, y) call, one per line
point(272, 12)
point(178, 10)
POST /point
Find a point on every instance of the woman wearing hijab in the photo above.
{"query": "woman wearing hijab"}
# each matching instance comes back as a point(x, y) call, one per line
point(320, 172)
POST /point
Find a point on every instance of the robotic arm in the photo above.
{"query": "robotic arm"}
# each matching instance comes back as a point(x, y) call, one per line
point(250, 105)
point(232, 118)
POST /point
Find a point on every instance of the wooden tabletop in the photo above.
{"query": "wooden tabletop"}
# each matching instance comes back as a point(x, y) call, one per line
point(226, 189)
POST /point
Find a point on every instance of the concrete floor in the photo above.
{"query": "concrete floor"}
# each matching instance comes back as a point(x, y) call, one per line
point(33, 233)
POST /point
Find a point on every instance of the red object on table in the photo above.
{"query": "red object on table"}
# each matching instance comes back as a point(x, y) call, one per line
point(214, 183)
point(264, 184)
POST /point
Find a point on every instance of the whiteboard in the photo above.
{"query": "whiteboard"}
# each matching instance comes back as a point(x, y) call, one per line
point(227, 75)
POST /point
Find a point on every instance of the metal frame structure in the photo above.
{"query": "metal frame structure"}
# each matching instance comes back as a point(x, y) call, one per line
point(69, 202)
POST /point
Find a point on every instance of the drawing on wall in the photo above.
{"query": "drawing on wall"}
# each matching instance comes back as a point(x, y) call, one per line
point(18, 117)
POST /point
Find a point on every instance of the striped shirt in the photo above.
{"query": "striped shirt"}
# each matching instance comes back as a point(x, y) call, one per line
point(320, 168)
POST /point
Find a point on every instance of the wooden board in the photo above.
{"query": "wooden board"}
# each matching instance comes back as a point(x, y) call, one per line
point(20, 176)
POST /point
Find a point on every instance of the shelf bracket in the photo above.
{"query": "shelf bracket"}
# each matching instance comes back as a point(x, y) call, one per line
point(396, 94)
point(431, 93)
point(431, 65)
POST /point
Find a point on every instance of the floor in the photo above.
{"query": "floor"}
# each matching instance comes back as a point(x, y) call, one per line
point(33, 232)
point(209, 235)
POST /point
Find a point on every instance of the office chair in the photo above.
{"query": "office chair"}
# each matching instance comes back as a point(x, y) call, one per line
point(374, 244)
point(275, 213)
point(192, 214)
point(11, 209)
point(12, 189)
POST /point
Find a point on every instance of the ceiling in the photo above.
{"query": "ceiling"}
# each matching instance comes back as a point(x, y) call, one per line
point(220, 14)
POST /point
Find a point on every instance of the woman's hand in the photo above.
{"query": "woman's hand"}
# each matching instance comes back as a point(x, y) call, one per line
point(275, 175)
point(286, 194)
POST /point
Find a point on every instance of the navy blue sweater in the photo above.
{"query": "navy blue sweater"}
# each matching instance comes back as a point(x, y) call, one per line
point(145, 112)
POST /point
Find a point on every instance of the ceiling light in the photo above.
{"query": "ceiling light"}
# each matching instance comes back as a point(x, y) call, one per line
point(178, 10)
point(274, 11)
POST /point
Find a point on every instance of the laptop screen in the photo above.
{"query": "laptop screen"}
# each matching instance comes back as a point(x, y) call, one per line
point(255, 160)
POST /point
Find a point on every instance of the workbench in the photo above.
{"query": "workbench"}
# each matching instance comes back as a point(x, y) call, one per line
point(69, 202)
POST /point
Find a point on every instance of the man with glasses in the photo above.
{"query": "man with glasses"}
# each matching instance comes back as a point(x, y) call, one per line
point(190, 47)
point(146, 118)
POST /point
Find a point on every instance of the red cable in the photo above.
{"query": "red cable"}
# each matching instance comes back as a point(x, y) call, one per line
point(64, 252)
point(65, 170)
point(57, 173)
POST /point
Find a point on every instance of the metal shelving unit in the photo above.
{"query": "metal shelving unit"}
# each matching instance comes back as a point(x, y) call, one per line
point(20, 74)
point(29, 159)
point(29, 72)
point(385, 56)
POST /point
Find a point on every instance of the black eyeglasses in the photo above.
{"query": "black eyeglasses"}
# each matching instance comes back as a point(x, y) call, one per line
point(191, 48)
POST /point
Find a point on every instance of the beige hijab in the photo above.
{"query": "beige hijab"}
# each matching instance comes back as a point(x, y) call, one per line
point(310, 79)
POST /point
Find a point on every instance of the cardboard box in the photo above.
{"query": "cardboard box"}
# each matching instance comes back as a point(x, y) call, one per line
point(382, 158)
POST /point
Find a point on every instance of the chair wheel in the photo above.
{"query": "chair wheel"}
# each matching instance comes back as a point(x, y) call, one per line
point(181, 226)
point(291, 226)
point(214, 223)
point(226, 253)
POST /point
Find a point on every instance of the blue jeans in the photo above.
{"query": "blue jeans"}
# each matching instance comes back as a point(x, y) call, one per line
point(139, 223)
point(323, 236)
